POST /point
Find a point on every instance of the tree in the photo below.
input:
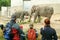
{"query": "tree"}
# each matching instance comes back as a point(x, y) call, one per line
point(0, 4)
point(5, 3)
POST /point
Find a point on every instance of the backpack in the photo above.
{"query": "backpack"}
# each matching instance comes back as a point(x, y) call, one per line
point(31, 34)
point(15, 34)
point(7, 31)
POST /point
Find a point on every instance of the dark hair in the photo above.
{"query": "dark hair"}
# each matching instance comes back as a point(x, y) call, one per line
point(47, 21)
point(2, 26)
point(31, 26)
point(13, 17)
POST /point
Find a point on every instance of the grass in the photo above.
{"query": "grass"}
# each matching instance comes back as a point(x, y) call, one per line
point(2, 38)
point(24, 22)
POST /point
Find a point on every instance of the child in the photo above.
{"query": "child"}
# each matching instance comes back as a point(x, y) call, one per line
point(31, 35)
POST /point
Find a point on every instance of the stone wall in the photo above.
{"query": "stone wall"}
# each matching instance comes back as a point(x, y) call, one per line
point(8, 11)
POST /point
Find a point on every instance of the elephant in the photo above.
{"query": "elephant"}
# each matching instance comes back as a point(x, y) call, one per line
point(44, 11)
point(21, 15)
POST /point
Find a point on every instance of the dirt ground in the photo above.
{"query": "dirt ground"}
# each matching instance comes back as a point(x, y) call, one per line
point(37, 26)
point(54, 24)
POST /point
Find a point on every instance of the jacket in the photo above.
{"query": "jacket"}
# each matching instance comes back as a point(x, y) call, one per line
point(48, 33)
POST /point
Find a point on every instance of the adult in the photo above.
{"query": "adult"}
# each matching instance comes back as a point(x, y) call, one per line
point(9, 26)
point(48, 33)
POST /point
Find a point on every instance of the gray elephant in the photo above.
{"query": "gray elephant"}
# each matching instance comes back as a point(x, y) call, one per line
point(45, 11)
point(21, 15)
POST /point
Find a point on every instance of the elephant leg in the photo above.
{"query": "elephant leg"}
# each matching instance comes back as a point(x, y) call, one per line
point(22, 19)
point(49, 17)
point(35, 16)
point(38, 18)
point(30, 19)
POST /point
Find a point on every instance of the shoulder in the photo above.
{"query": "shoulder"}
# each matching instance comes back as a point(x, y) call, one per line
point(42, 28)
point(35, 29)
point(7, 24)
point(53, 30)
point(15, 25)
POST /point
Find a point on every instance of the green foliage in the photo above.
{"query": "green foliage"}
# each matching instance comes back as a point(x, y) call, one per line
point(1, 38)
point(5, 3)
point(24, 22)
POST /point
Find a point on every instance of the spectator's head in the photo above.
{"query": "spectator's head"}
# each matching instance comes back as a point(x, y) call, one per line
point(47, 21)
point(31, 26)
point(13, 17)
point(2, 26)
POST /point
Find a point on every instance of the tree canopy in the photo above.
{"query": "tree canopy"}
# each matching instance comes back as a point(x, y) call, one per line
point(5, 3)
